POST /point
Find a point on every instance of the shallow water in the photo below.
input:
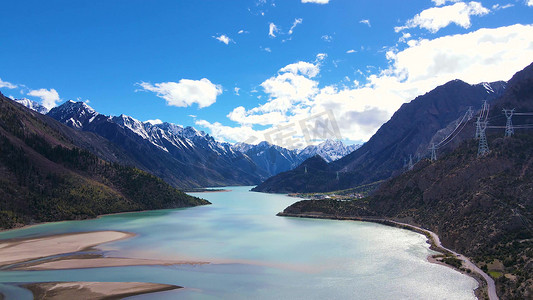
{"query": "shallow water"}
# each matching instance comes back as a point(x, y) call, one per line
point(254, 254)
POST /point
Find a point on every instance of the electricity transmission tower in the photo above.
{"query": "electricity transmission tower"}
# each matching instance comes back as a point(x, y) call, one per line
point(478, 127)
point(509, 130)
point(433, 152)
point(470, 113)
point(483, 148)
point(486, 106)
point(410, 162)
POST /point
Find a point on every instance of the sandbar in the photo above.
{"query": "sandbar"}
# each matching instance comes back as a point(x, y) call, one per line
point(101, 262)
point(94, 290)
point(18, 250)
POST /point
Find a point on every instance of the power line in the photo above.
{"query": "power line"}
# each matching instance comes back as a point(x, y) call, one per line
point(433, 152)
point(509, 131)
point(466, 117)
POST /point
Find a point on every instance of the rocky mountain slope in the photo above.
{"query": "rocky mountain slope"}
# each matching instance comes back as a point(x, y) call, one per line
point(184, 157)
point(275, 159)
point(309, 175)
point(46, 177)
point(479, 206)
point(408, 132)
point(271, 158)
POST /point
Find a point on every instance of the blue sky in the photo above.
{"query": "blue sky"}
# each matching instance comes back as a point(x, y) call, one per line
point(236, 69)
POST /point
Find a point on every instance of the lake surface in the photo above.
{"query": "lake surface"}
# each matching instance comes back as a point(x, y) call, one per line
point(254, 254)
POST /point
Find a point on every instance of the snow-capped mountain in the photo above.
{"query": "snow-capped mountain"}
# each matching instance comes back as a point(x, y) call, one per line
point(184, 157)
point(74, 114)
point(329, 150)
point(275, 159)
point(271, 158)
point(32, 105)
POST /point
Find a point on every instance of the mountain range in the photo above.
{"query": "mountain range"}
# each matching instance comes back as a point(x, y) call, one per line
point(183, 156)
point(407, 134)
point(45, 176)
point(275, 159)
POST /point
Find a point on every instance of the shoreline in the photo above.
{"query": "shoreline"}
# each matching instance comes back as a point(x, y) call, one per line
point(73, 251)
point(94, 290)
point(17, 250)
point(486, 288)
point(26, 226)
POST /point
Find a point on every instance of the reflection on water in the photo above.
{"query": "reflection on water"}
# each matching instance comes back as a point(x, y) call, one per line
point(253, 253)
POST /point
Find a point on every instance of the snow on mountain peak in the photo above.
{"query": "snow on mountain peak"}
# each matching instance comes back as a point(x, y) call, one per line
point(32, 105)
point(329, 150)
point(133, 124)
point(76, 114)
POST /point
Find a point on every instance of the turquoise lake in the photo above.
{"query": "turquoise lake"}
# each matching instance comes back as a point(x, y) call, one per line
point(252, 253)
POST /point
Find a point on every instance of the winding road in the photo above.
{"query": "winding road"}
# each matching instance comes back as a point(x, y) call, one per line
point(491, 286)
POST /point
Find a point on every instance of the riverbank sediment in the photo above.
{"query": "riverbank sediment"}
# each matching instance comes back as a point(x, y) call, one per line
point(73, 251)
point(94, 290)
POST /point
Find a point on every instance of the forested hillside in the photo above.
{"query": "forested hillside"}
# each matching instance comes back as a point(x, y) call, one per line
point(44, 177)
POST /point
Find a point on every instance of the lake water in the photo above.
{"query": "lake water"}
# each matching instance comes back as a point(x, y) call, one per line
point(254, 254)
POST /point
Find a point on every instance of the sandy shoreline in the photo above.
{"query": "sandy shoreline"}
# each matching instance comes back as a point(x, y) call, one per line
point(21, 253)
point(62, 251)
point(486, 284)
point(19, 250)
point(94, 290)
point(101, 262)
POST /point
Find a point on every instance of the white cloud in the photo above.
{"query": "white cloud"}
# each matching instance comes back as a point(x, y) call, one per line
point(224, 39)
point(272, 30)
point(186, 92)
point(442, 2)
point(228, 133)
point(529, 3)
point(483, 55)
point(304, 68)
point(367, 22)
point(49, 98)
point(236, 89)
point(285, 89)
point(433, 19)
point(405, 37)
point(9, 85)
point(499, 6)
point(351, 51)
point(296, 22)
point(316, 1)
point(320, 57)
point(327, 38)
point(154, 122)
